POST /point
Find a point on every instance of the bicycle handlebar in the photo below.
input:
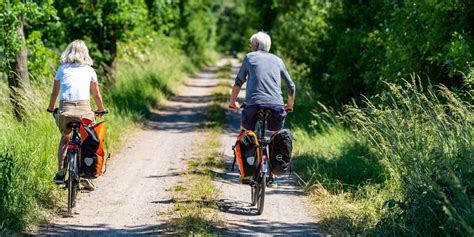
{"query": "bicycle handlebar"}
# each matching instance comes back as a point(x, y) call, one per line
point(98, 113)
point(101, 113)
point(243, 105)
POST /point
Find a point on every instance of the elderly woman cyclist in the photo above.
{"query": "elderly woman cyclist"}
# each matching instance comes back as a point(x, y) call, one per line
point(74, 80)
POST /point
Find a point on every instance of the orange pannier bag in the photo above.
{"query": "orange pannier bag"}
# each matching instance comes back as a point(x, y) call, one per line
point(246, 153)
point(92, 150)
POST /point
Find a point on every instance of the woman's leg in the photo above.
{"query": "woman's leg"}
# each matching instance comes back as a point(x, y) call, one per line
point(62, 150)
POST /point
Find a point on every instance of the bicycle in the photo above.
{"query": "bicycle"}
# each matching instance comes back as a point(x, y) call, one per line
point(261, 178)
point(71, 163)
point(261, 175)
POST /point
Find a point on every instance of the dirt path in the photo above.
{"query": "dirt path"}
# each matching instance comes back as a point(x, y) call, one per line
point(130, 196)
point(284, 212)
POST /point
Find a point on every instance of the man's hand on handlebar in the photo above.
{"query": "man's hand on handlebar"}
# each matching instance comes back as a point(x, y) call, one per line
point(288, 108)
point(234, 105)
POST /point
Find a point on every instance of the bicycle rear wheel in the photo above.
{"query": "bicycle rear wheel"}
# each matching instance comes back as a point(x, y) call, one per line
point(261, 193)
point(253, 193)
point(72, 183)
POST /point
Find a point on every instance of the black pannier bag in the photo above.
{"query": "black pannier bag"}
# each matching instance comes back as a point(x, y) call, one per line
point(89, 159)
point(281, 146)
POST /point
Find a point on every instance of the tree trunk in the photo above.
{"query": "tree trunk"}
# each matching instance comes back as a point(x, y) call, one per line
point(18, 78)
point(112, 61)
point(107, 44)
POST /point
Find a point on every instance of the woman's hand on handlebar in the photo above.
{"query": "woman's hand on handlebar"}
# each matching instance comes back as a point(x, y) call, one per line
point(101, 113)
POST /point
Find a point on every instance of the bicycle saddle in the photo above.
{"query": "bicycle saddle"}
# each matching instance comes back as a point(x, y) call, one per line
point(264, 113)
point(73, 124)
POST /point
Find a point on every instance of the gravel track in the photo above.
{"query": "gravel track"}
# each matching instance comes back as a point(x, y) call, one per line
point(131, 196)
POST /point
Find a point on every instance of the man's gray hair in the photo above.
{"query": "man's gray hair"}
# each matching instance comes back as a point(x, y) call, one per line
point(76, 52)
point(262, 39)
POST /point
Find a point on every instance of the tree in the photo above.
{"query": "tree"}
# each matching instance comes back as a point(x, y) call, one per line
point(14, 46)
point(105, 22)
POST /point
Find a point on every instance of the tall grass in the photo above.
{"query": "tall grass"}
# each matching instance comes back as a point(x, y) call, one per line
point(404, 168)
point(425, 139)
point(28, 149)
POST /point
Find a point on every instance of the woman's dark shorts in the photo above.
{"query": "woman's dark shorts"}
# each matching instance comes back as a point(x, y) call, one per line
point(275, 121)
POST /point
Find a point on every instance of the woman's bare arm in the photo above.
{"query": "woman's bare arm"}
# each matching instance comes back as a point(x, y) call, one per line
point(97, 97)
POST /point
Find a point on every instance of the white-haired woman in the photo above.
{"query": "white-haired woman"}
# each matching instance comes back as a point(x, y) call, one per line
point(263, 73)
point(73, 82)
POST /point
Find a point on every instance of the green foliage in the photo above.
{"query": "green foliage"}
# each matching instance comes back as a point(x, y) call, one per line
point(42, 61)
point(10, 14)
point(105, 23)
point(341, 161)
point(350, 47)
point(26, 169)
point(198, 29)
point(143, 84)
point(413, 145)
point(425, 141)
point(164, 15)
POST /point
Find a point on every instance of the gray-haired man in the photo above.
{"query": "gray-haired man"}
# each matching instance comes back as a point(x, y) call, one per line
point(263, 72)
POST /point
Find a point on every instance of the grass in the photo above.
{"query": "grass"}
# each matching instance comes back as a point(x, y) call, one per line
point(28, 149)
point(337, 159)
point(195, 206)
point(195, 210)
point(413, 148)
point(343, 179)
point(196, 199)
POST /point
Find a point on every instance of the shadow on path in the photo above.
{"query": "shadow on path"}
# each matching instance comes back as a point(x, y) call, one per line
point(104, 230)
point(254, 226)
point(183, 113)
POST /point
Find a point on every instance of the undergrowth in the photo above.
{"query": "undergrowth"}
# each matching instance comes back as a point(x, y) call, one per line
point(402, 167)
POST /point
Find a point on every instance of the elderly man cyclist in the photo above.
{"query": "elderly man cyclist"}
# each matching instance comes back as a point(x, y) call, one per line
point(263, 73)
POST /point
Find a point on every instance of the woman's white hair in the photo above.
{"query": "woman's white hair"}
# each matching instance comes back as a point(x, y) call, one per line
point(262, 39)
point(76, 52)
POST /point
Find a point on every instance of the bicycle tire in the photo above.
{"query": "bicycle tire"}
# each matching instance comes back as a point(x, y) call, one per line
point(261, 194)
point(253, 194)
point(72, 183)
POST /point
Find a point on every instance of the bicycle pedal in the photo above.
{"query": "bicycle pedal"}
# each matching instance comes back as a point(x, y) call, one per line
point(245, 180)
